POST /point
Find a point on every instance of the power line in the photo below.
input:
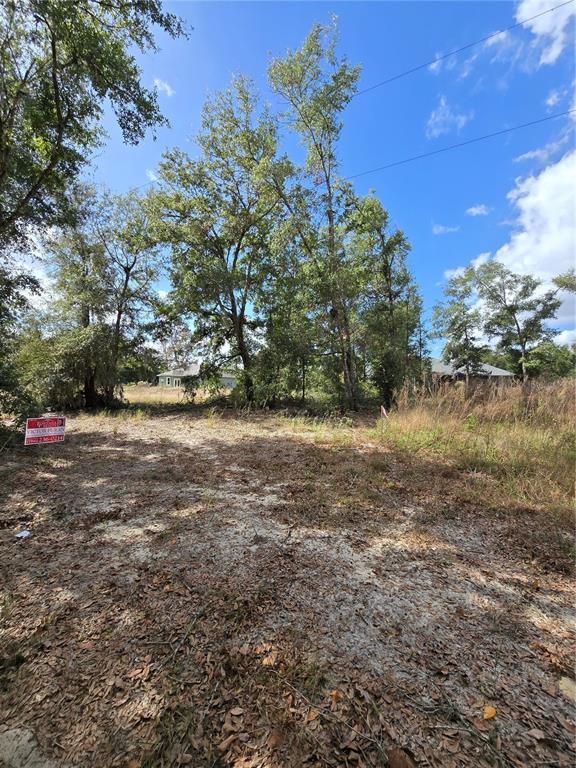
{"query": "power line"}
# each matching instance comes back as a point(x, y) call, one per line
point(460, 144)
point(435, 151)
point(459, 50)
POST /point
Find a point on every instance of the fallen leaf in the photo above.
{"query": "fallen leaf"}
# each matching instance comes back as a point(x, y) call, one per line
point(489, 712)
point(536, 733)
point(237, 711)
point(568, 687)
point(223, 746)
point(312, 715)
point(275, 738)
point(270, 659)
point(398, 758)
point(336, 696)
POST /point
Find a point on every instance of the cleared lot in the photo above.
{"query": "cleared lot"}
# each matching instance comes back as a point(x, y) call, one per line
point(208, 590)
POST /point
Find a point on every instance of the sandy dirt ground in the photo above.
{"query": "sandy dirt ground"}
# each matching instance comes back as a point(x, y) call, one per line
point(229, 591)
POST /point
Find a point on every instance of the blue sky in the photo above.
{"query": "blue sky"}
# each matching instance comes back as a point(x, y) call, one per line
point(511, 196)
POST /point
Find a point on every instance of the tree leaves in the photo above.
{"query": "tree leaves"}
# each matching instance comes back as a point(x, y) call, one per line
point(59, 62)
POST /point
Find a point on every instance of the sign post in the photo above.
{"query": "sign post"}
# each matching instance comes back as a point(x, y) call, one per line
point(45, 430)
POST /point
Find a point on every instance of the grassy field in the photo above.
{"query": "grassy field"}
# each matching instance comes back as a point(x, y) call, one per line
point(142, 394)
point(208, 587)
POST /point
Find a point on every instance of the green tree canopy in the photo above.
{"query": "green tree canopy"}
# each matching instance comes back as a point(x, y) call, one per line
point(216, 214)
point(103, 265)
point(60, 62)
point(316, 87)
point(517, 309)
point(458, 320)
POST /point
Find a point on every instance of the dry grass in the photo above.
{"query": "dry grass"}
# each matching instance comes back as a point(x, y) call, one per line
point(528, 464)
point(215, 588)
point(522, 437)
point(142, 394)
point(548, 405)
point(509, 450)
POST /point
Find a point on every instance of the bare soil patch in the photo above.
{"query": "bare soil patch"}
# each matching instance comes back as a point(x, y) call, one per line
point(232, 592)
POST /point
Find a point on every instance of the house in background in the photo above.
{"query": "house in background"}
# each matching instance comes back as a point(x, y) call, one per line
point(444, 371)
point(177, 377)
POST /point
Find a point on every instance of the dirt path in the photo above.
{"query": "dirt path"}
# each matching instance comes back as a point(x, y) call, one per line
point(225, 592)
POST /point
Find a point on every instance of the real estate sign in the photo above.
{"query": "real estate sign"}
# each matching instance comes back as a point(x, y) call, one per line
point(45, 430)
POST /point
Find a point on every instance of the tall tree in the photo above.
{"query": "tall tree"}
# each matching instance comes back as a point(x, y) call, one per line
point(80, 270)
point(551, 361)
point(103, 267)
point(317, 87)
point(387, 306)
point(216, 215)
point(290, 343)
point(60, 62)
point(14, 291)
point(458, 321)
point(122, 228)
point(517, 308)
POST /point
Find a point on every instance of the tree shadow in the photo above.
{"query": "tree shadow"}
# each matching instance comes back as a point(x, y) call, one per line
point(183, 558)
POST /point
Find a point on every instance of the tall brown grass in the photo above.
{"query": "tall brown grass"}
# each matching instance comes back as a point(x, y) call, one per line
point(522, 437)
point(548, 405)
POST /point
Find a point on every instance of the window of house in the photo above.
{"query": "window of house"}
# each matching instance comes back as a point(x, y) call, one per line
point(168, 381)
point(176, 382)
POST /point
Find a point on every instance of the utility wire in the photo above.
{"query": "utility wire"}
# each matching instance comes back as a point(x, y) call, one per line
point(459, 50)
point(460, 144)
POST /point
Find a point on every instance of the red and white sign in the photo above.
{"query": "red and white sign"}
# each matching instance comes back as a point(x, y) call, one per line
point(45, 430)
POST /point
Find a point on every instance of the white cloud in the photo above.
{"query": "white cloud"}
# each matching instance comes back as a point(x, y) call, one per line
point(468, 66)
point(436, 66)
point(33, 260)
point(498, 38)
point(566, 337)
point(553, 98)
point(164, 87)
point(546, 153)
point(445, 119)
point(552, 31)
point(450, 273)
point(440, 229)
point(151, 175)
point(478, 210)
point(544, 242)
point(482, 258)
point(505, 48)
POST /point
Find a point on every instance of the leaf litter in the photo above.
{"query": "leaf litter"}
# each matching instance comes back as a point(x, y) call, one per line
point(227, 592)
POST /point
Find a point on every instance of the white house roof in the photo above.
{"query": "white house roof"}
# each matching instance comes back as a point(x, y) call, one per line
point(445, 369)
point(192, 370)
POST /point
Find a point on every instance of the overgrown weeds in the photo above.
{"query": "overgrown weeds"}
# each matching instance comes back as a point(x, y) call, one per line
point(545, 404)
point(530, 464)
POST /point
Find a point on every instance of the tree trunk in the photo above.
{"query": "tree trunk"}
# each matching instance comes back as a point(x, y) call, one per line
point(348, 363)
point(523, 364)
point(246, 361)
point(90, 398)
point(113, 374)
point(342, 321)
